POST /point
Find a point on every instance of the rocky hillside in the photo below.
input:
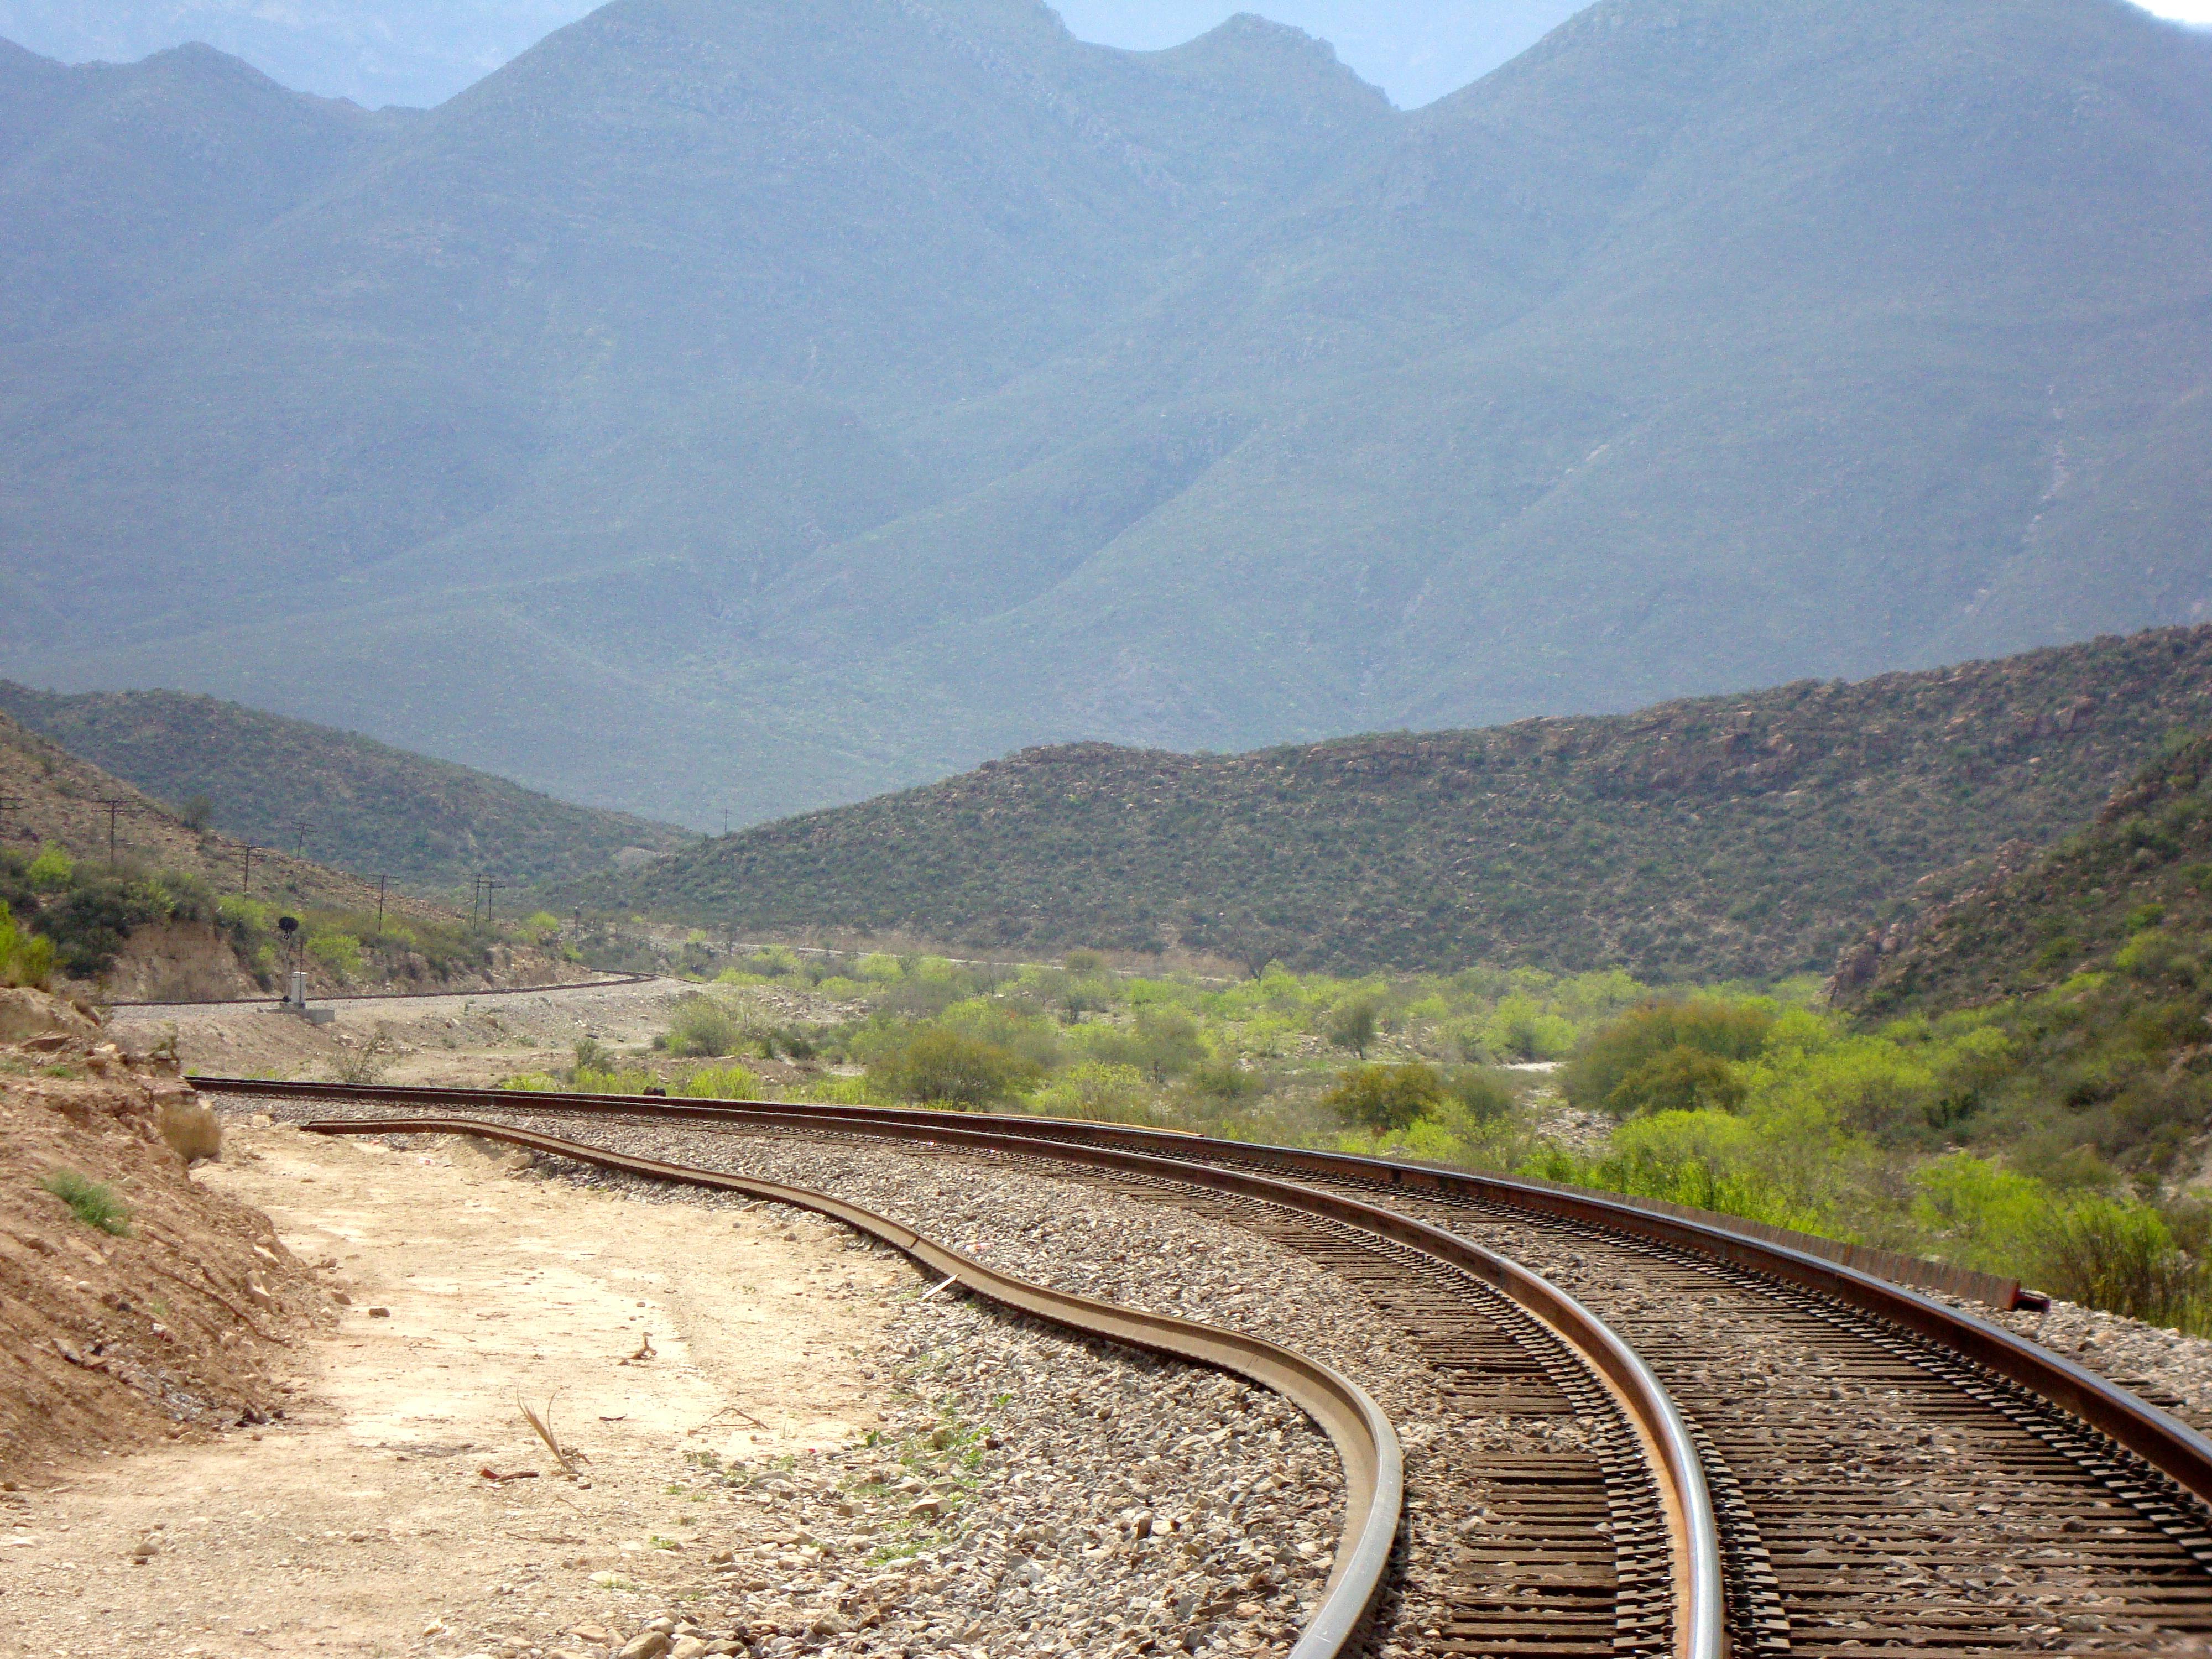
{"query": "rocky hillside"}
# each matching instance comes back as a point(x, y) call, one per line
point(1750, 834)
point(50, 796)
point(365, 806)
point(2130, 894)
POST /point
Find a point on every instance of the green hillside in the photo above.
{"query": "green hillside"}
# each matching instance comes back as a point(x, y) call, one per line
point(1747, 835)
point(740, 404)
point(367, 808)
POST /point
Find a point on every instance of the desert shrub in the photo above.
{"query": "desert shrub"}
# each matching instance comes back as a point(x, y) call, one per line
point(832, 1090)
point(2121, 1255)
point(340, 954)
point(1097, 1090)
point(949, 1067)
point(1219, 1077)
point(1351, 1024)
point(1521, 1029)
point(26, 960)
point(707, 1027)
point(720, 1082)
point(1480, 1091)
point(1385, 1096)
point(1622, 1048)
point(1678, 1079)
point(93, 1202)
point(52, 870)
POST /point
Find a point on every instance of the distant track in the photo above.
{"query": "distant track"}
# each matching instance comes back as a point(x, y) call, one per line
point(408, 996)
point(1886, 1474)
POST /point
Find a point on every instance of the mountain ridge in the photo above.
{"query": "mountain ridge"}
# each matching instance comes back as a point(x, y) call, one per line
point(1750, 835)
point(698, 377)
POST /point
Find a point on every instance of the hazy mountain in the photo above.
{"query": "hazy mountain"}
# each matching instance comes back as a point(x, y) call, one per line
point(1748, 835)
point(417, 53)
point(348, 801)
point(727, 404)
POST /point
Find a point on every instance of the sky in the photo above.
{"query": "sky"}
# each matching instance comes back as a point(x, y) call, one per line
point(423, 51)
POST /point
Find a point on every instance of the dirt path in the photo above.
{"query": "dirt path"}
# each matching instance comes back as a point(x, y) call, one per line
point(362, 1523)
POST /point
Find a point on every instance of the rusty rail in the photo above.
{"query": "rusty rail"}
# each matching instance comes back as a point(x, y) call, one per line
point(1367, 1445)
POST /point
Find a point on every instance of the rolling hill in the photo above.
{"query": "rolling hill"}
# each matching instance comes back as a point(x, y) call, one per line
point(731, 404)
point(1749, 836)
point(364, 807)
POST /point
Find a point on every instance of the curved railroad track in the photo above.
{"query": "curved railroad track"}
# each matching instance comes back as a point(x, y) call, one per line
point(1885, 1475)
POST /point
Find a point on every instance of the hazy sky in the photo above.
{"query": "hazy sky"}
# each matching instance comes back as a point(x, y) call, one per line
point(422, 51)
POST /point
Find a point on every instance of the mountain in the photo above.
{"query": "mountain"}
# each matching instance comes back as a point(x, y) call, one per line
point(727, 405)
point(408, 51)
point(366, 807)
point(1730, 836)
point(374, 52)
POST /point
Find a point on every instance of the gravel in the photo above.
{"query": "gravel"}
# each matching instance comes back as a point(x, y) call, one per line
point(1075, 1234)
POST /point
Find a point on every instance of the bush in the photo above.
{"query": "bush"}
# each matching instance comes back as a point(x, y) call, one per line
point(1682, 1079)
point(1482, 1093)
point(1702, 1025)
point(24, 959)
point(2120, 1256)
point(950, 1068)
point(52, 870)
point(93, 1202)
point(1352, 1025)
point(339, 953)
point(1098, 1090)
point(1386, 1097)
point(707, 1027)
point(720, 1082)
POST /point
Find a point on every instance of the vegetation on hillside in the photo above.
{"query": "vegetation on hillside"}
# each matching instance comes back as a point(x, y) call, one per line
point(1744, 835)
point(344, 798)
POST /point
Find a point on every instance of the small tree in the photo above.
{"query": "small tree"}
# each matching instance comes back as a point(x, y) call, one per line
point(1386, 1098)
point(1352, 1025)
point(952, 1068)
point(26, 960)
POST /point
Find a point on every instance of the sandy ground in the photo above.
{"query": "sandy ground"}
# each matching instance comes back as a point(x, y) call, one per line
point(362, 1523)
point(461, 1042)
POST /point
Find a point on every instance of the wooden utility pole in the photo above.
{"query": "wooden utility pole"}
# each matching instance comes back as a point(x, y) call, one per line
point(381, 881)
point(246, 882)
point(114, 810)
point(299, 851)
point(11, 804)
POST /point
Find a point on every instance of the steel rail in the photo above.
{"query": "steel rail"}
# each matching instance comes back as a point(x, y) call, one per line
point(1365, 1441)
point(1669, 1449)
point(615, 982)
point(2167, 1444)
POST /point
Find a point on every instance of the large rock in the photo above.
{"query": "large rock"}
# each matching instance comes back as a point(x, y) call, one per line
point(25, 1014)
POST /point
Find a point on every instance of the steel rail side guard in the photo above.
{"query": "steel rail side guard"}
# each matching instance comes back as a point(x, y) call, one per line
point(1374, 1465)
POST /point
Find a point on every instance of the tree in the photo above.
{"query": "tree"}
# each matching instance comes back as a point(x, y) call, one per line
point(951, 1068)
point(1386, 1097)
point(1352, 1025)
point(1168, 1044)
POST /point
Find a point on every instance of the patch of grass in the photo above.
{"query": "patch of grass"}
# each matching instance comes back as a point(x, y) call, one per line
point(93, 1202)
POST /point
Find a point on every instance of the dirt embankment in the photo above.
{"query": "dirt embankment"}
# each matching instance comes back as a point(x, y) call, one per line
point(136, 1304)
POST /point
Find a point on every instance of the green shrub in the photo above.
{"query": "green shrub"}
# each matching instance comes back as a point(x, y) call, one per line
point(1681, 1079)
point(50, 872)
point(93, 1203)
point(1704, 1025)
point(340, 954)
point(720, 1082)
point(1099, 1090)
point(26, 960)
point(1386, 1097)
point(1351, 1024)
point(2120, 1256)
point(950, 1068)
point(707, 1027)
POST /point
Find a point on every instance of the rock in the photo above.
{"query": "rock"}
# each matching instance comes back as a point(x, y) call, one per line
point(650, 1645)
point(687, 1647)
point(380, 1313)
point(25, 1014)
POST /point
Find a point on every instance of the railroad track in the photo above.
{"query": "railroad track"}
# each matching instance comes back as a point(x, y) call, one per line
point(1863, 1471)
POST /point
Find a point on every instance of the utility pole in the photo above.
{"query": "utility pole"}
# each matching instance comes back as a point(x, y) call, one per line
point(476, 896)
point(726, 821)
point(246, 882)
point(114, 810)
point(490, 886)
point(381, 881)
point(301, 850)
point(11, 804)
